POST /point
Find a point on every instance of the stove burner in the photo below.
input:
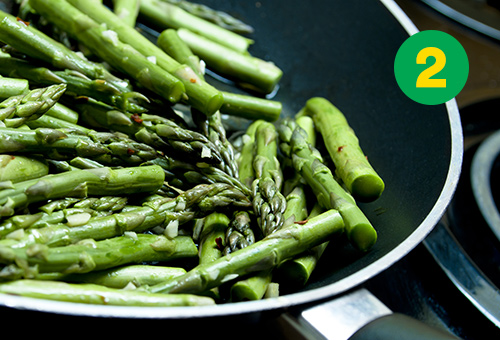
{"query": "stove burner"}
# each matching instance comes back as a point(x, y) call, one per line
point(480, 15)
point(481, 175)
point(466, 242)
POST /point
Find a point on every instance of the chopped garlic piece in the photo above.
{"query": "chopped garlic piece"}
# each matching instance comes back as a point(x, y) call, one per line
point(172, 229)
point(77, 219)
point(152, 59)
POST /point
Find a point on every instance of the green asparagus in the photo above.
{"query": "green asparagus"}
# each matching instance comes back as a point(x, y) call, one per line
point(77, 84)
point(31, 41)
point(159, 132)
point(240, 105)
point(253, 72)
point(20, 168)
point(90, 255)
point(254, 287)
point(165, 15)
point(351, 165)
point(12, 86)
point(211, 126)
point(106, 45)
point(166, 214)
point(115, 179)
point(200, 94)
point(108, 148)
point(239, 233)
point(17, 110)
point(220, 18)
point(262, 255)
point(297, 271)
point(98, 295)
point(120, 277)
point(330, 194)
point(102, 181)
point(268, 202)
point(127, 11)
point(251, 107)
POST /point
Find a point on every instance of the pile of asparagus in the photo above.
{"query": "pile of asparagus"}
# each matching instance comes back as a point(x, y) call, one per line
point(120, 182)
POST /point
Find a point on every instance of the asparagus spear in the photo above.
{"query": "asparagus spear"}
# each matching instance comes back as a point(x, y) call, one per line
point(251, 107)
point(211, 126)
point(58, 214)
point(77, 83)
point(99, 295)
point(166, 15)
point(170, 42)
point(214, 228)
point(159, 132)
point(108, 148)
point(12, 86)
point(92, 255)
point(220, 18)
point(296, 272)
point(254, 72)
point(246, 157)
point(102, 181)
point(17, 110)
point(330, 194)
point(200, 94)
point(262, 255)
point(34, 43)
point(19, 168)
point(127, 11)
point(106, 45)
point(165, 213)
point(52, 122)
point(239, 105)
point(185, 174)
point(120, 277)
point(254, 287)
point(110, 204)
point(63, 112)
point(268, 202)
point(342, 144)
point(239, 233)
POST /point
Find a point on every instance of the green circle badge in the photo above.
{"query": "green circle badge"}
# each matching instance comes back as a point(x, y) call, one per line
point(431, 67)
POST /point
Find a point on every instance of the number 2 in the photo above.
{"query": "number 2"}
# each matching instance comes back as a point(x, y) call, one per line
point(424, 79)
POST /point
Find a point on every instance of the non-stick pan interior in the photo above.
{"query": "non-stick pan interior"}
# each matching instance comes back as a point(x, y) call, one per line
point(344, 51)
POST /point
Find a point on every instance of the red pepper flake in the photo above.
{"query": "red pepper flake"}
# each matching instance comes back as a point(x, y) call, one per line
point(82, 99)
point(218, 242)
point(193, 80)
point(130, 151)
point(302, 222)
point(340, 148)
point(136, 118)
point(21, 20)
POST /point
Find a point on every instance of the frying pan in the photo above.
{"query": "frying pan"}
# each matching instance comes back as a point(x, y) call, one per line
point(344, 51)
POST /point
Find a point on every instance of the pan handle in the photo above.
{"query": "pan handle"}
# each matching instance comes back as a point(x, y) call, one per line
point(358, 315)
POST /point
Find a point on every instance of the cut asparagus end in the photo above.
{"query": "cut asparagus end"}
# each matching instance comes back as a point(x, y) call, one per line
point(367, 188)
point(363, 236)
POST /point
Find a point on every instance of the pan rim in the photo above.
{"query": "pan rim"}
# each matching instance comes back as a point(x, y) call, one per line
point(294, 299)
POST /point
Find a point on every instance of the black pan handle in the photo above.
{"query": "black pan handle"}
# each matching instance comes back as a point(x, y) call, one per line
point(357, 315)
